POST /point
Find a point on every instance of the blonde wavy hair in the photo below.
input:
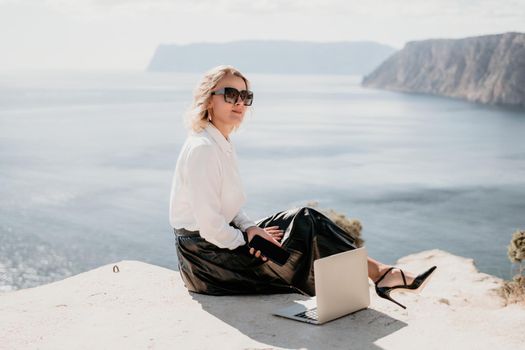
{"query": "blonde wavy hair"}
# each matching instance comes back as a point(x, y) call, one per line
point(196, 117)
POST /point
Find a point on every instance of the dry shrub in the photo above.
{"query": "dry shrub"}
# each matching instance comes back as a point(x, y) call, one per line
point(351, 226)
point(514, 291)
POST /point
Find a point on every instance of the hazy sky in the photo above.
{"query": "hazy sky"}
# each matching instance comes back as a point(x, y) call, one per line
point(123, 34)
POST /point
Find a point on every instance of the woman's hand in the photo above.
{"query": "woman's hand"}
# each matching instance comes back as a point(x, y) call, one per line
point(275, 232)
point(255, 230)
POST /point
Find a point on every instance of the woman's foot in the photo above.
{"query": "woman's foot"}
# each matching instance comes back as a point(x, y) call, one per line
point(394, 277)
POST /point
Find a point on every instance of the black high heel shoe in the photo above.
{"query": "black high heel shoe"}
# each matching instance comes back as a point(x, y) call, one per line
point(416, 286)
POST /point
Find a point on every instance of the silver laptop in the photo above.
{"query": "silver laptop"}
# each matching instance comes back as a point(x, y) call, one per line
point(341, 288)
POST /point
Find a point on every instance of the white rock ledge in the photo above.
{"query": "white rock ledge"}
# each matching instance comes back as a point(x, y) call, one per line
point(146, 306)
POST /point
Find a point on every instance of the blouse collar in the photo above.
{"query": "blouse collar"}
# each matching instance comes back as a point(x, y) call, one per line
point(219, 138)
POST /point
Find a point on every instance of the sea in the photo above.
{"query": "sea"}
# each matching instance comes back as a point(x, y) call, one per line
point(87, 159)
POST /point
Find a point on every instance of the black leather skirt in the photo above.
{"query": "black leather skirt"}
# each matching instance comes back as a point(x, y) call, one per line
point(308, 235)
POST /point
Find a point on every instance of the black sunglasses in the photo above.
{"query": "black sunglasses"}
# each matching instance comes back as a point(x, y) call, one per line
point(232, 94)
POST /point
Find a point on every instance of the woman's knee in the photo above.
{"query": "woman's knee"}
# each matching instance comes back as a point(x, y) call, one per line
point(309, 211)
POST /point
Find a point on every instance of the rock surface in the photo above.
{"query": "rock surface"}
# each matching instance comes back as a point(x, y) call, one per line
point(146, 306)
point(487, 69)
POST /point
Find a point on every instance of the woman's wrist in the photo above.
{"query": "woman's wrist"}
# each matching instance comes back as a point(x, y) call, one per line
point(249, 234)
point(245, 235)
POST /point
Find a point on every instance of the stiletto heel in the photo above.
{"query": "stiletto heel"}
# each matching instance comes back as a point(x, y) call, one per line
point(416, 286)
point(387, 296)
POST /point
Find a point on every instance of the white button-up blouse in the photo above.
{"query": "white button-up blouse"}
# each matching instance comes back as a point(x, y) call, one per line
point(207, 193)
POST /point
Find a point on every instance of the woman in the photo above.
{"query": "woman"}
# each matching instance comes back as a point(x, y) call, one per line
point(212, 230)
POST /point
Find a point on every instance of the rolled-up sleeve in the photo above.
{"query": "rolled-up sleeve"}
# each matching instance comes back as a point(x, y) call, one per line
point(243, 221)
point(204, 186)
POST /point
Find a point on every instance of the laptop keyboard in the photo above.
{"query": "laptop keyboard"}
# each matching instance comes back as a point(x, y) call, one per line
point(308, 314)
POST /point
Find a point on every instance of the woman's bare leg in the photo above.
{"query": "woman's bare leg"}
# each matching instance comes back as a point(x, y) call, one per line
point(375, 269)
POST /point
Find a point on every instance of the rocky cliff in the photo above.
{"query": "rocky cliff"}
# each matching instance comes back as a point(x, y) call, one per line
point(488, 69)
point(142, 306)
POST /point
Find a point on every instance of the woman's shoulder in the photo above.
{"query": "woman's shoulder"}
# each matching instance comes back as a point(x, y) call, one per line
point(199, 139)
point(200, 146)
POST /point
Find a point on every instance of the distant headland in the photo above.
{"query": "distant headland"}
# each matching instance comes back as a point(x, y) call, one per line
point(273, 57)
point(487, 69)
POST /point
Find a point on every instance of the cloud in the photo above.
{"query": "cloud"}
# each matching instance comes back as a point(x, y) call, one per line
point(124, 33)
point(370, 8)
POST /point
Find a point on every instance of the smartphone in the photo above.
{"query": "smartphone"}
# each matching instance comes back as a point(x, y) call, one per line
point(273, 252)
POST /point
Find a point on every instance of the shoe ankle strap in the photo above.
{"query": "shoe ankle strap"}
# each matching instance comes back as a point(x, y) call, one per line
point(383, 276)
point(390, 269)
